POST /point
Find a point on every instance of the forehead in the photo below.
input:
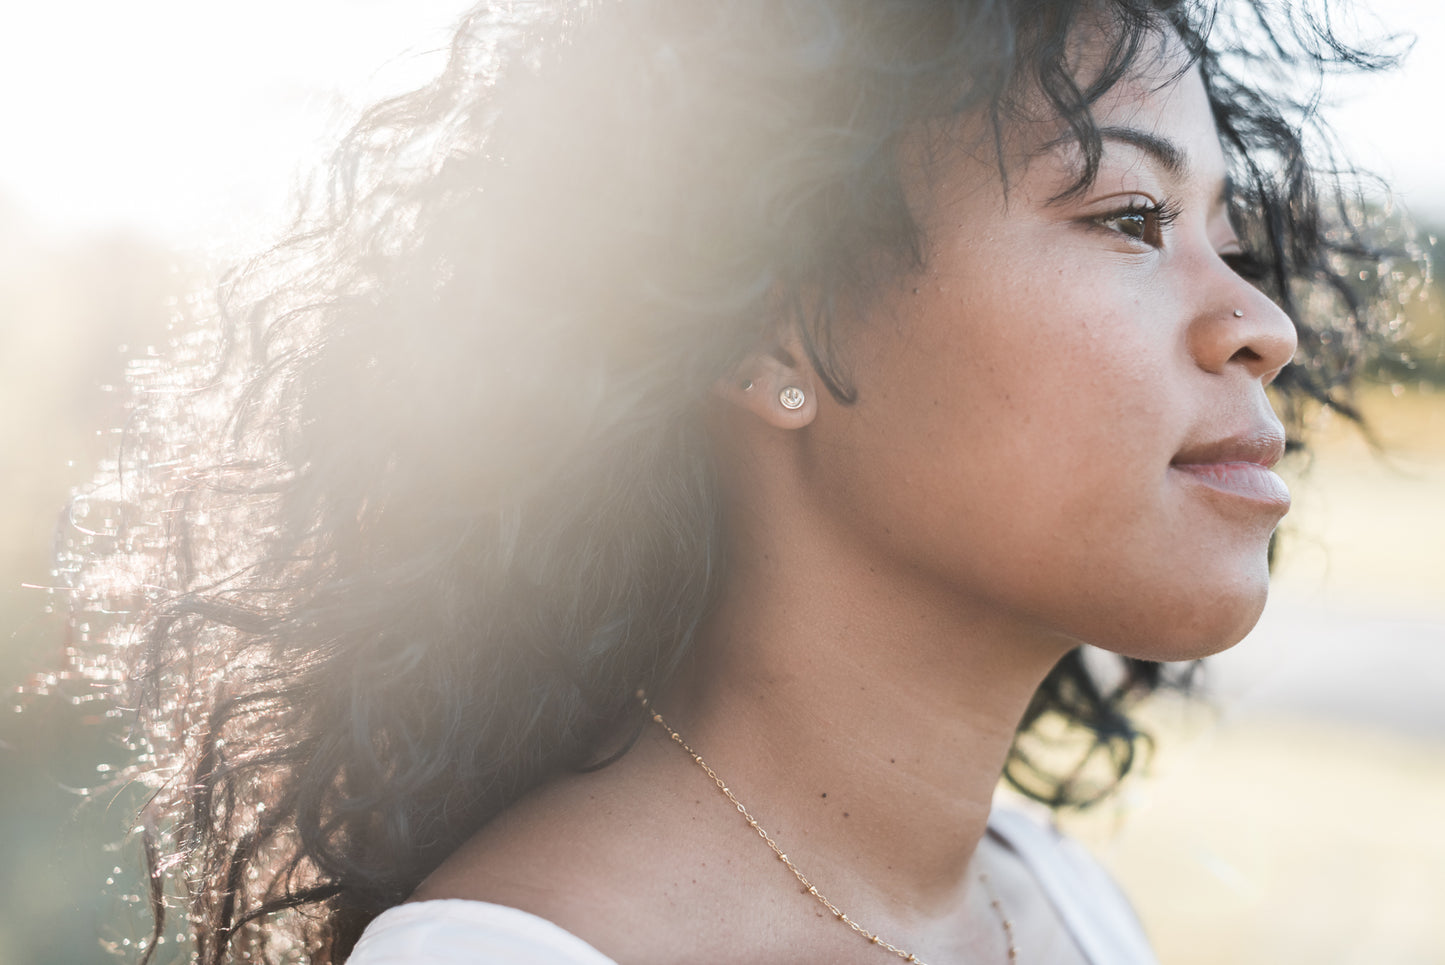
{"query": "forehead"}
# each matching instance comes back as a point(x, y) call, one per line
point(1155, 117)
point(1158, 110)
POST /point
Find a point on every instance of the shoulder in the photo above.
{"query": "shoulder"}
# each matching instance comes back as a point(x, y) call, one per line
point(460, 932)
point(613, 857)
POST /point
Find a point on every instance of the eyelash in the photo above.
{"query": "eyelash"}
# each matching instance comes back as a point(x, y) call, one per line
point(1156, 218)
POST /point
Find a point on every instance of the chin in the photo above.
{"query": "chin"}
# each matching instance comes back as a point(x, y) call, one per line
point(1199, 625)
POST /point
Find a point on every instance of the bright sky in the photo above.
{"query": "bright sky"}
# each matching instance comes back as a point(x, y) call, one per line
point(188, 119)
point(1394, 124)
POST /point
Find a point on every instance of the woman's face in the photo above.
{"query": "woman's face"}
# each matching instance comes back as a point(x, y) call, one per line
point(1063, 417)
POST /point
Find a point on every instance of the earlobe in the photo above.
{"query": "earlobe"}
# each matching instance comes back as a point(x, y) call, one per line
point(772, 387)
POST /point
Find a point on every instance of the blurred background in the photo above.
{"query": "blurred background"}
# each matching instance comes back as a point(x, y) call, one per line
point(1296, 814)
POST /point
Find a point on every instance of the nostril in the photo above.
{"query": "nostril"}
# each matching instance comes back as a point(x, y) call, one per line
point(1246, 355)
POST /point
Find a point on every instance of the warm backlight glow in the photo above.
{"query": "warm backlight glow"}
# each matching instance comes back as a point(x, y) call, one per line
point(189, 121)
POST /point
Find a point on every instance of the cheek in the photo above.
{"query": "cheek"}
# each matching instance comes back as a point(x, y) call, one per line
point(1000, 410)
point(1054, 378)
point(1016, 447)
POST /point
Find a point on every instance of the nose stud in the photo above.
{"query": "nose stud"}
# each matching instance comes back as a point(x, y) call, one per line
point(792, 397)
point(1239, 313)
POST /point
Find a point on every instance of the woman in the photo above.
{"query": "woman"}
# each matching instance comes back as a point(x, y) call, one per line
point(692, 445)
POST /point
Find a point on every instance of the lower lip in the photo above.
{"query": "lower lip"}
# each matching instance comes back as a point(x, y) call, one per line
point(1246, 480)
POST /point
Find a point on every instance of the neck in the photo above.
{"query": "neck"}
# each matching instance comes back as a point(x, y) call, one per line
point(864, 720)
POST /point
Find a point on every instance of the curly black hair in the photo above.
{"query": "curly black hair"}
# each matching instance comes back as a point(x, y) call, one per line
point(403, 528)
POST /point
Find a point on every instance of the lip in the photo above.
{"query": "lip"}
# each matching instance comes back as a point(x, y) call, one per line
point(1239, 465)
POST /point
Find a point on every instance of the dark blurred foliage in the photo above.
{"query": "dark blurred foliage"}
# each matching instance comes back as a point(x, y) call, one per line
point(73, 312)
point(1421, 363)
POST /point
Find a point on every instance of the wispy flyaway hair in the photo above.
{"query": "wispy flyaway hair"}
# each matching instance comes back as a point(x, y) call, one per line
point(402, 529)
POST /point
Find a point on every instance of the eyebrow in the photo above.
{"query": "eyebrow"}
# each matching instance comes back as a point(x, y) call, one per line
point(1168, 153)
point(1163, 150)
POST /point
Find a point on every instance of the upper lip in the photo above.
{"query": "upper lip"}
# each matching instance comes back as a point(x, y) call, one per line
point(1262, 445)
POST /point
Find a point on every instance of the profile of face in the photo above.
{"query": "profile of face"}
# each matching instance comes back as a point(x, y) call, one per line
point(1062, 418)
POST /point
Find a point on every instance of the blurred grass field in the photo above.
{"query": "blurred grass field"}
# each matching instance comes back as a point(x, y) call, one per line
point(1369, 524)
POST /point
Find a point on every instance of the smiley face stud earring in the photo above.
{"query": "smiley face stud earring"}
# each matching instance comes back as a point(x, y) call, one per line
point(792, 397)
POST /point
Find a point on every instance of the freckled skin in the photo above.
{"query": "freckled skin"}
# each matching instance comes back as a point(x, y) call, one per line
point(905, 571)
point(1064, 364)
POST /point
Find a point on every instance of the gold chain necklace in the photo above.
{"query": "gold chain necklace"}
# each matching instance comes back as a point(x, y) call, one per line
point(808, 886)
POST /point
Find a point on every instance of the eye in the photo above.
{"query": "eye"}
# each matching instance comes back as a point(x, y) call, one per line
point(1248, 266)
point(1143, 221)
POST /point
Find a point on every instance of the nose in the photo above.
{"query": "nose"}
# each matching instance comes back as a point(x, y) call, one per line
point(1238, 325)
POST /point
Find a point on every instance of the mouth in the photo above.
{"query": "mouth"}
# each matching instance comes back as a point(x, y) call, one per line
point(1239, 466)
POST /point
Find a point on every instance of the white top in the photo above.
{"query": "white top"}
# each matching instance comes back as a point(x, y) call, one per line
point(461, 932)
point(454, 931)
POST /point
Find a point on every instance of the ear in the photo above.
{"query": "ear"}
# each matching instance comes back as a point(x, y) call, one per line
point(777, 386)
